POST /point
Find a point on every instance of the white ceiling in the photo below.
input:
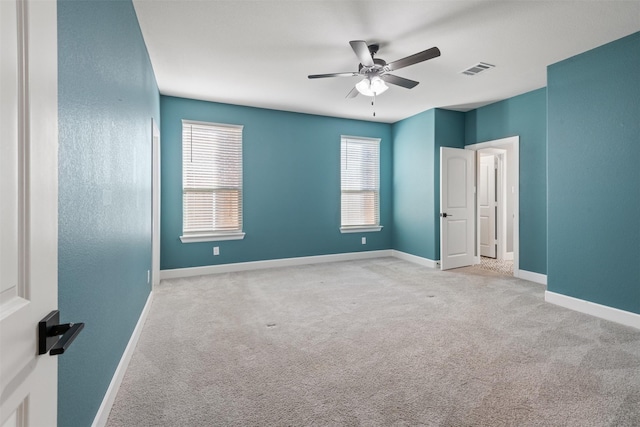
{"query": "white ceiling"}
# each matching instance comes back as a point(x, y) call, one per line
point(259, 53)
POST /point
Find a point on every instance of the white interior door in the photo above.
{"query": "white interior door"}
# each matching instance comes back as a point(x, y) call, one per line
point(29, 209)
point(487, 205)
point(457, 207)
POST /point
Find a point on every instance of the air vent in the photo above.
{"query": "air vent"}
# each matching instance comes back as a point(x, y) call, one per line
point(478, 68)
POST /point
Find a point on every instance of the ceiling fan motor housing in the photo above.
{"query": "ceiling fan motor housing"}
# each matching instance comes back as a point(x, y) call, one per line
point(378, 65)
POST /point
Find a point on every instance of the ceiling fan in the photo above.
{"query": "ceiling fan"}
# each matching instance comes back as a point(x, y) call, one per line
point(375, 71)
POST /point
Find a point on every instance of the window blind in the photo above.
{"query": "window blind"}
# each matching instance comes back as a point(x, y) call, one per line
point(360, 182)
point(211, 178)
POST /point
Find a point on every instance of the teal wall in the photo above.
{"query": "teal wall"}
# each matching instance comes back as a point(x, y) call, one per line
point(291, 172)
point(416, 178)
point(594, 175)
point(413, 185)
point(526, 116)
point(107, 97)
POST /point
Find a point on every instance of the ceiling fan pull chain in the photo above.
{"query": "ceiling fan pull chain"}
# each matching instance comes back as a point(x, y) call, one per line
point(373, 104)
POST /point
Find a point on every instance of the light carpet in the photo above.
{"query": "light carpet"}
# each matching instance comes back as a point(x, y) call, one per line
point(379, 342)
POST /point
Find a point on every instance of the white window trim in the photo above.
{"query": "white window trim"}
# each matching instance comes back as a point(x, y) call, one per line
point(212, 237)
point(362, 229)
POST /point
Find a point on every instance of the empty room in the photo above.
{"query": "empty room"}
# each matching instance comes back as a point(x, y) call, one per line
point(328, 213)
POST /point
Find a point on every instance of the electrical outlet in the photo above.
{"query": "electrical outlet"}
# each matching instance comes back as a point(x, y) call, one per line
point(364, 240)
point(148, 276)
point(216, 250)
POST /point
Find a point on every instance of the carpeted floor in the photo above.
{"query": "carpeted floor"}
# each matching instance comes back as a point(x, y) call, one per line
point(375, 342)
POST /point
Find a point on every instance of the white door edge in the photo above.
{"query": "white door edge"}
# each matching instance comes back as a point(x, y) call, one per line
point(29, 212)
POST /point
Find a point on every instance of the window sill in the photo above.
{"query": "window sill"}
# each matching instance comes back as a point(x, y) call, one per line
point(365, 229)
point(213, 237)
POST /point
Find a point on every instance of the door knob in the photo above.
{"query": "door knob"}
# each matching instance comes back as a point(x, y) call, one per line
point(55, 336)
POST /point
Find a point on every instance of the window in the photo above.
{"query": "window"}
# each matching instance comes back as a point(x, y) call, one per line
point(211, 182)
point(360, 184)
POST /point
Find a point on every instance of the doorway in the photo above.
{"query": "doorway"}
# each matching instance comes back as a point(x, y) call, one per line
point(497, 205)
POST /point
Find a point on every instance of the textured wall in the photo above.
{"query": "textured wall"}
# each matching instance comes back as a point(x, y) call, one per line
point(594, 175)
point(413, 185)
point(291, 171)
point(523, 115)
point(416, 178)
point(107, 97)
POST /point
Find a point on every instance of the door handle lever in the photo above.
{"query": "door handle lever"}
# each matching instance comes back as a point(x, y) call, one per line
point(56, 337)
point(67, 338)
point(444, 215)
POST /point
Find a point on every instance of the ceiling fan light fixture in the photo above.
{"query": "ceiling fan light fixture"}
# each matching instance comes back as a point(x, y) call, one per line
point(378, 85)
point(371, 86)
point(364, 87)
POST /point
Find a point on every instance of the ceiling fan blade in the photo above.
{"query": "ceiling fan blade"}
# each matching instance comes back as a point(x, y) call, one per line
point(400, 81)
point(353, 93)
point(413, 59)
point(321, 76)
point(362, 52)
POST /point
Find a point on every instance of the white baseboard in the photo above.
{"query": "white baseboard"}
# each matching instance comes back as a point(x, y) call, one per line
point(273, 263)
point(602, 311)
point(508, 256)
point(531, 276)
point(416, 259)
point(110, 396)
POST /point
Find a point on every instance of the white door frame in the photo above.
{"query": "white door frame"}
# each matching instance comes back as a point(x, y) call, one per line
point(155, 204)
point(514, 143)
point(503, 168)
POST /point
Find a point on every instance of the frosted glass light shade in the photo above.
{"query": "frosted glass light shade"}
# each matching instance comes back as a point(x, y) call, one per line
point(371, 86)
point(378, 85)
point(364, 87)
